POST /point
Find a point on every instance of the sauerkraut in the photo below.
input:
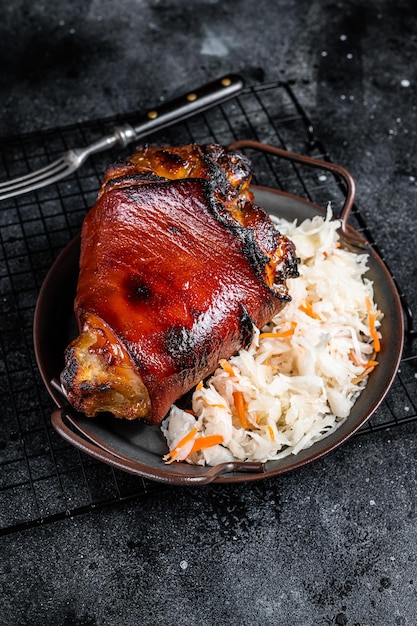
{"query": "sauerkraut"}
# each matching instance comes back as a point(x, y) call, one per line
point(298, 380)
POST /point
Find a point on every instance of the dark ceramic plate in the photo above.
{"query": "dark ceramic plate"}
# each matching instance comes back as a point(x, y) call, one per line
point(138, 448)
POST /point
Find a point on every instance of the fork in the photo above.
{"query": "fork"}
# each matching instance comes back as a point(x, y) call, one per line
point(167, 114)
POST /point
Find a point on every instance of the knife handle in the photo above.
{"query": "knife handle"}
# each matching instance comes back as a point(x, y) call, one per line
point(189, 104)
point(167, 114)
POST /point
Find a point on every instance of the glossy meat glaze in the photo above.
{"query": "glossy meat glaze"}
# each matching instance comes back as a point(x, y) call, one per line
point(177, 264)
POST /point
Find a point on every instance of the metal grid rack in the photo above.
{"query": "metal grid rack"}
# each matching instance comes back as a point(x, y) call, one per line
point(42, 477)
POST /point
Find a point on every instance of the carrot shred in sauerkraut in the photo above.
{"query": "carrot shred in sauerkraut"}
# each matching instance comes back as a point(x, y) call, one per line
point(239, 401)
point(193, 444)
point(173, 454)
point(301, 375)
point(201, 443)
point(227, 367)
point(307, 308)
point(372, 316)
point(366, 364)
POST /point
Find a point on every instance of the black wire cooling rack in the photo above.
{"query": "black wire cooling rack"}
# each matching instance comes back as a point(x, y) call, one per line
point(42, 477)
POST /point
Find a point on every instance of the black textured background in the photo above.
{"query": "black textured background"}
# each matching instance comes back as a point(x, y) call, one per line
point(331, 543)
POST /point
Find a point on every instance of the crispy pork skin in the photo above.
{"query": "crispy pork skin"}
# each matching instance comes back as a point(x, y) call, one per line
point(177, 265)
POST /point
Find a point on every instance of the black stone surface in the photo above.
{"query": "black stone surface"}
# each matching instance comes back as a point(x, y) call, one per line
point(333, 542)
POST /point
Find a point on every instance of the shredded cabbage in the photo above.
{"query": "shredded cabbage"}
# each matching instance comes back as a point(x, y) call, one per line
point(297, 388)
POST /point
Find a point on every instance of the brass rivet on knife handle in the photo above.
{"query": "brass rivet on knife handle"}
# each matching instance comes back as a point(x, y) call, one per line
point(191, 103)
point(199, 95)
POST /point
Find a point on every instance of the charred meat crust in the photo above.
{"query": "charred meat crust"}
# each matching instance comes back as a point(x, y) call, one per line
point(229, 171)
